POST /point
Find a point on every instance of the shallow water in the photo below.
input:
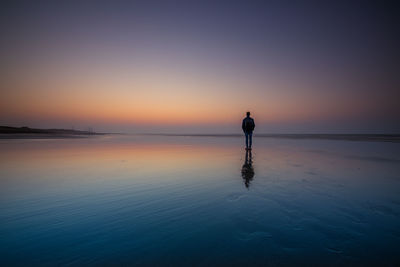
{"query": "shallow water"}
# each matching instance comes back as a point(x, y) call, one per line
point(176, 200)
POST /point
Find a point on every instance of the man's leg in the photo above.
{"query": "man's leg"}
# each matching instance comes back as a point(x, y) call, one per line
point(251, 139)
point(247, 140)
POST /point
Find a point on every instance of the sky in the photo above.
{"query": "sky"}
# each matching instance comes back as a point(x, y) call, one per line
point(198, 66)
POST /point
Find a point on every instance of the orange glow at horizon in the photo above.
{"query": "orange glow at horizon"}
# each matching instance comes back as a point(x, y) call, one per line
point(162, 96)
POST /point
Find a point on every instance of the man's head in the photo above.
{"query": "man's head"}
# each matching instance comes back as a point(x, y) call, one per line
point(248, 113)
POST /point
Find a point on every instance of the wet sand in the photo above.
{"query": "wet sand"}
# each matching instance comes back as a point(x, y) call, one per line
point(199, 200)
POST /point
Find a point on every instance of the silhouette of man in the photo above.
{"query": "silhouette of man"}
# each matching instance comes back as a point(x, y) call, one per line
point(248, 128)
point(247, 169)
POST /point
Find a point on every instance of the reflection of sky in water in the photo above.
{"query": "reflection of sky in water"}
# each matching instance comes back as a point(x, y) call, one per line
point(152, 199)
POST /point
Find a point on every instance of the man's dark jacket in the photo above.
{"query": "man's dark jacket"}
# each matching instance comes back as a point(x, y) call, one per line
point(248, 125)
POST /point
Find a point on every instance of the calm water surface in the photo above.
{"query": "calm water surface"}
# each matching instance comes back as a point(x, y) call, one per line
point(163, 200)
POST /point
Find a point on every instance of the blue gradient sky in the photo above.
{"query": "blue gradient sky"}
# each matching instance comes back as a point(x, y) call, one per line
point(197, 66)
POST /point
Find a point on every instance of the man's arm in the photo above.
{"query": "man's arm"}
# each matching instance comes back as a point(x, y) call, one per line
point(243, 126)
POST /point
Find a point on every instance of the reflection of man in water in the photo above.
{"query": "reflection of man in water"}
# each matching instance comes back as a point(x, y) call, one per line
point(248, 128)
point(247, 169)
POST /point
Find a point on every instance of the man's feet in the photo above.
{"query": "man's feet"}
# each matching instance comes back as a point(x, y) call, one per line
point(248, 148)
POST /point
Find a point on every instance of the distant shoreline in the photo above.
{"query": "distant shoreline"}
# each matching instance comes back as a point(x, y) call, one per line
point(7, 132)
point(42, 136)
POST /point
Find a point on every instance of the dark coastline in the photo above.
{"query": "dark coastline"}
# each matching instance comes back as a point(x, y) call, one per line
point(7, 132)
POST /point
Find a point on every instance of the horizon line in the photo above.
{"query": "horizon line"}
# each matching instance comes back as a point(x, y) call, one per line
point(262, 134)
